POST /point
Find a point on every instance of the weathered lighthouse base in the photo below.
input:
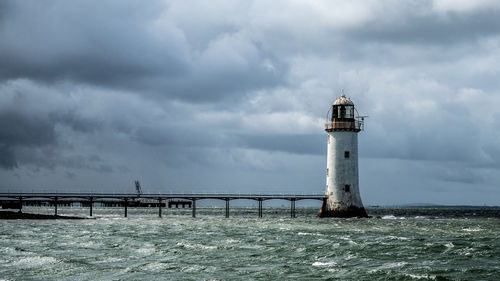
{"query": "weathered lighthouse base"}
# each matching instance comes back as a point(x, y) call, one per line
point(342, 212)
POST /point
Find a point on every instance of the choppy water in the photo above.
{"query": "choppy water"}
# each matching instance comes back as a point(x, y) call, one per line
point(404, 244)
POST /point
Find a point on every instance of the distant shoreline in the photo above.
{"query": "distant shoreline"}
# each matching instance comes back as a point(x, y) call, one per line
point(9, 215)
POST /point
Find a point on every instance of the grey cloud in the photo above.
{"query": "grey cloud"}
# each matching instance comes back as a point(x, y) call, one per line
point(33, 139)
point(428, 28)
point(199, 133)
point(19, 130)
point(392, 35)
point(162, 136)
point(104, 44)
point(459, 174)
point(453, 139)
point(290, 143)
point(75, 122)
point(90, 162)
point(7, 159)
point(126, 46)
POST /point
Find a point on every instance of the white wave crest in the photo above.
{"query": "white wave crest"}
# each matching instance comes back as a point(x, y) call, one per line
point(321, 264)
point(309, 233)
point(392, 217)
point(35, 261)
point(472, 229)
point(421, 276)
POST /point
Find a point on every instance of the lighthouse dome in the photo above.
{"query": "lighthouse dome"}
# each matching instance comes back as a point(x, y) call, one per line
point(342, 100)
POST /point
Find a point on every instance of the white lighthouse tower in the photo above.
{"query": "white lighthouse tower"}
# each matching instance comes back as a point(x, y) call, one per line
point(342, 182)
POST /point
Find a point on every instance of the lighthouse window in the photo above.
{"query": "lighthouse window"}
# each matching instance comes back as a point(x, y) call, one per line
point(342, 112)
point(327, 172)
point(347, 188)
point(349, 112)
point(346, 154)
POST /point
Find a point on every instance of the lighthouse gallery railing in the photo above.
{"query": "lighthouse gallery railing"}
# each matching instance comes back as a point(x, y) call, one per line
point(348, 125)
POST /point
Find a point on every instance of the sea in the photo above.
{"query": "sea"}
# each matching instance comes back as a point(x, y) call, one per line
point(424, 243)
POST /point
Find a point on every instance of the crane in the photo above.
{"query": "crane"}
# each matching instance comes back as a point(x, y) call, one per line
point(138, 188)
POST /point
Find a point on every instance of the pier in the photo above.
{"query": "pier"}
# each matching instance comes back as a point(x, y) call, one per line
point(17, 200)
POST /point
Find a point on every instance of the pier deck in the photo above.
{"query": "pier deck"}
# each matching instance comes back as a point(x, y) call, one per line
point(16, 200)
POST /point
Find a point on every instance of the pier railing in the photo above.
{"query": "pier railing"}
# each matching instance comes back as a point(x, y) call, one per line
point(198, 195)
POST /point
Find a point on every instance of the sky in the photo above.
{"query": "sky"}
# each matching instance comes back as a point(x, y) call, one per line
point(232, 96)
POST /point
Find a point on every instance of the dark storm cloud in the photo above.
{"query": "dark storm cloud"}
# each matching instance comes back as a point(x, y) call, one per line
point(7, 160)
point(98, 42)
point(37, 128)
point(125, 45)
point(20, 130)
point(25, 130)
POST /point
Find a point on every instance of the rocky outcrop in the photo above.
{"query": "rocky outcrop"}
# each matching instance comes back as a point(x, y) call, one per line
point(342, 211)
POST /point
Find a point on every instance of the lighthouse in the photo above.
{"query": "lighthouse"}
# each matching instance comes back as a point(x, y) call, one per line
point(342, 181)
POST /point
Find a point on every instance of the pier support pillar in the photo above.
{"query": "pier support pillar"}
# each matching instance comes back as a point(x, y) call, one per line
point(159, 207)
point(227, 207)
point(20, 204)
point(55, 206)
point(292, 207)
point(91, 201)
point(194, 208)
point(126, 205)
point(260, 207)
